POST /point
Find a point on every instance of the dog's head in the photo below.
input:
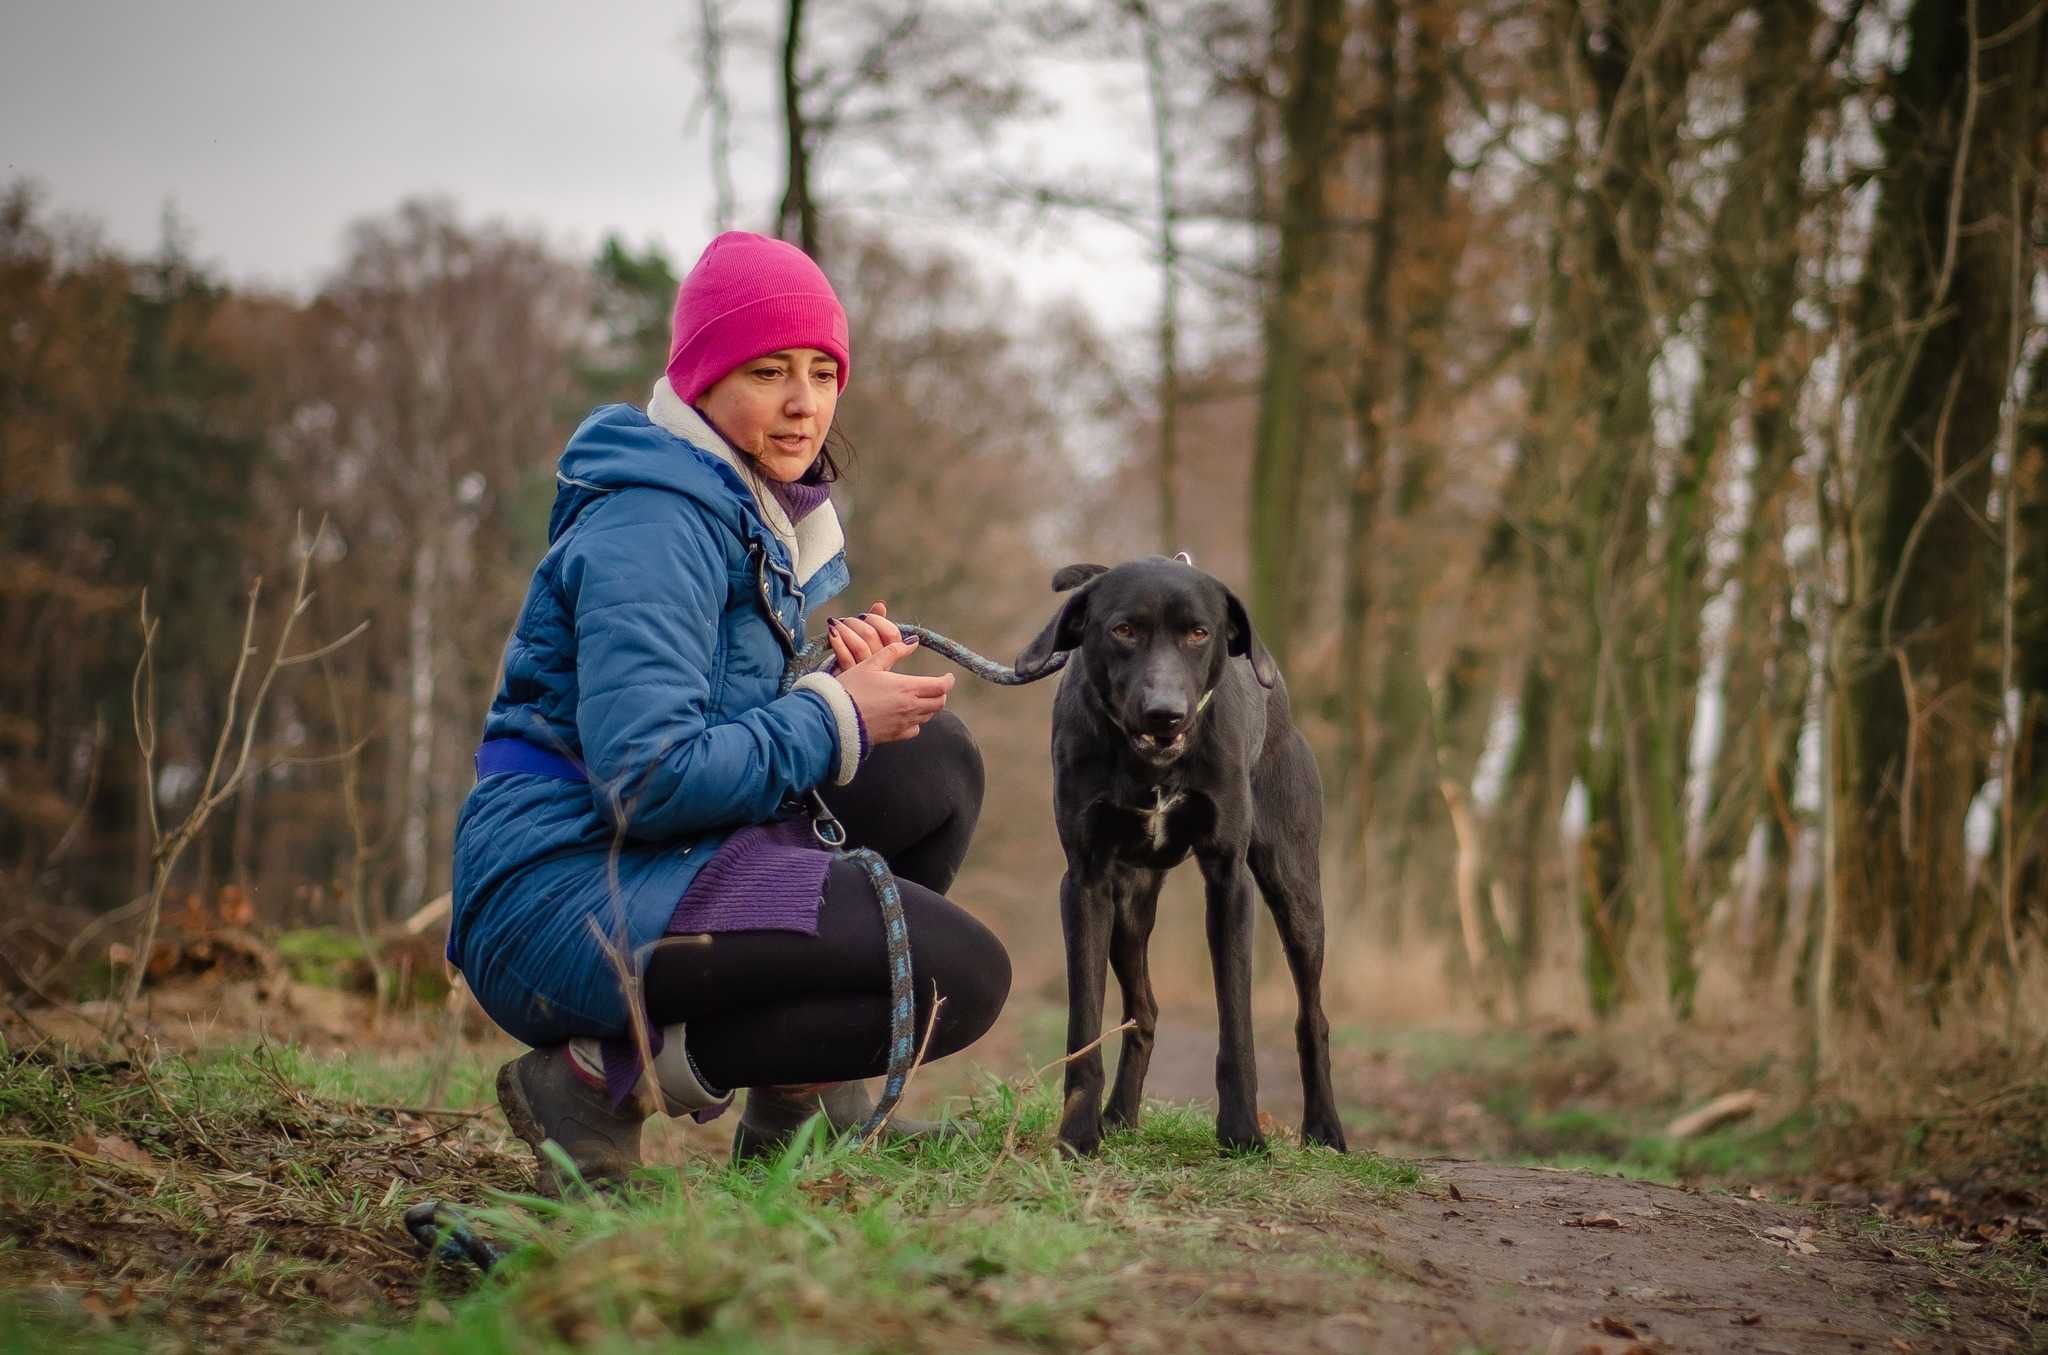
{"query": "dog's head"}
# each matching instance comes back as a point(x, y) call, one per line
point(1152, 639)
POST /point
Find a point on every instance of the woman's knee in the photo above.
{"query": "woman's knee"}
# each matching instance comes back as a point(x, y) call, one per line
point(948, 750)
point(972, 974)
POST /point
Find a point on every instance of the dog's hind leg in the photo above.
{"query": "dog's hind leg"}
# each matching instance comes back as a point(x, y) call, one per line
point(1129, 939)
point(1230, 956)
point(1085, 914)
point(1290, 878)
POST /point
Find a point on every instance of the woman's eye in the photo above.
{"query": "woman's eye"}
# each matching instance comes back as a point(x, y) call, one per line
point(768, 373)
point(827, 374)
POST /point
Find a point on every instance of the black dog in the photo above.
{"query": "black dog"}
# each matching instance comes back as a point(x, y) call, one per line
point(1171, 735)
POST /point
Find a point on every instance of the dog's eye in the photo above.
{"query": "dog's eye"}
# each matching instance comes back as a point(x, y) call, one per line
point(1124, 630)
point(1199, 635)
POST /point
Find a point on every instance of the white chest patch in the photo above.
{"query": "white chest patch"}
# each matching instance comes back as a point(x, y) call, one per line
point(1155, 818)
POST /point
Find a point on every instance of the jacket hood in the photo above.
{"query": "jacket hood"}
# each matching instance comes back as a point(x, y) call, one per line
point(619, 447)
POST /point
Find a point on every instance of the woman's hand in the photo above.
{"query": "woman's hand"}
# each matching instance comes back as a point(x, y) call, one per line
point(855, 639)
point(893, 705)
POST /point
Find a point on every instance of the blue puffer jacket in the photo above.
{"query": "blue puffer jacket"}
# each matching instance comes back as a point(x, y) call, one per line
point(644, 651)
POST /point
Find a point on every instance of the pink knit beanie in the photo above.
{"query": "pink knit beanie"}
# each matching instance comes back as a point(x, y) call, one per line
point(748, 296)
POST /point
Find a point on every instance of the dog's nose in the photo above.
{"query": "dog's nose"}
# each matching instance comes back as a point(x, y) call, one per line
point(1164, 717)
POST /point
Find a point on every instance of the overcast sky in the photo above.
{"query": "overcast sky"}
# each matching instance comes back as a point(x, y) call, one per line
point(269, 126)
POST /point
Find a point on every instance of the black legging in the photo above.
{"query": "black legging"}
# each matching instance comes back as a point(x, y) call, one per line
point(772, 1008)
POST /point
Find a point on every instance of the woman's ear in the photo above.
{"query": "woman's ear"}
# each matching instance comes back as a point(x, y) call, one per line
point(1061, 634)
point(1244, 643)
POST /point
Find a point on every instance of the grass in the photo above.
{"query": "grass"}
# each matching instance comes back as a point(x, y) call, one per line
point(250, 1196)
point(927, 1247)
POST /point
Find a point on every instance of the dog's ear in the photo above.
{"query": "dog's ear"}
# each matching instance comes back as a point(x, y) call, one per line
point(1061, 634)
point(1073, 576)
point(1245, 643)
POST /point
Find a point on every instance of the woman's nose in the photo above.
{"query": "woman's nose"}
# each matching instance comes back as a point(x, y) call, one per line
point(802, 401)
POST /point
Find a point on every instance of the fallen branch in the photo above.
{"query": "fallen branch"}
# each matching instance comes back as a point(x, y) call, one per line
point(1715, 1113)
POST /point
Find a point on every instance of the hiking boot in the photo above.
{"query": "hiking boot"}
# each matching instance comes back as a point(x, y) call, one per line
point(544, 1097)
point(773, 1115)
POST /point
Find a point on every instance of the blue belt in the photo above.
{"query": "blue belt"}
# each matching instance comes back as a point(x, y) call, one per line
point(514, 754)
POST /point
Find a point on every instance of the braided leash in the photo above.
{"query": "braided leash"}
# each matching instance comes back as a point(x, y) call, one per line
point(812, 658)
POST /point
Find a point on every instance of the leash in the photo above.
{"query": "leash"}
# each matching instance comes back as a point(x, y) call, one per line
point(831, 834)
point(813, 657)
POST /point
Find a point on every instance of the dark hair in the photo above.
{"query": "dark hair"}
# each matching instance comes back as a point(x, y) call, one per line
point(833, 459)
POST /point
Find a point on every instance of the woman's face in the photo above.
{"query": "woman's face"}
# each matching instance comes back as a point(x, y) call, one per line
point(777, 409)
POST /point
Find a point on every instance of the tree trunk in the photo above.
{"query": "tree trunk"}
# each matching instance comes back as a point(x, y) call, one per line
point(711, 69)
point(1362, 493)
point(1169, 280)
point(1297, 331)
point(1622, 216)
point(2029, 831)
point(1939, 294)
point(418, 804)
point(797, 220)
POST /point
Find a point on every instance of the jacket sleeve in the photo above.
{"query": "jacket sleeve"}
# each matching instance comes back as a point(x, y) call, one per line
point(646, 582)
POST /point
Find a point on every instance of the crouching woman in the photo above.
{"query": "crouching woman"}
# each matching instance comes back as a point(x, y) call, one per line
point(644, 802)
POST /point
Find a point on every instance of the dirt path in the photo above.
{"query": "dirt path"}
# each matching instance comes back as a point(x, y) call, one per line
point(1496, 1258)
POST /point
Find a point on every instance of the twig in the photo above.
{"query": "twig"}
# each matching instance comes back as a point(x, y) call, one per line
point(1030, 1084)
point(646, 1091)
point(90, 930)
point(359, 858)
point(76, 1154)
point(931, 1024)
point(424, 1112)
point(92, 785)
point(216, 787)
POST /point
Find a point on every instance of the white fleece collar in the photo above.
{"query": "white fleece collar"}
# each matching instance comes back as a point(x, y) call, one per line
point(811, 543)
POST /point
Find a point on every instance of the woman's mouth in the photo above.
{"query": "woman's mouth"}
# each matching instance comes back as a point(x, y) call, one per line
point(789, 442)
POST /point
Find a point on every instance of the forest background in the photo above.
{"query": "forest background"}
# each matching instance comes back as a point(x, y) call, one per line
point(1627, 421)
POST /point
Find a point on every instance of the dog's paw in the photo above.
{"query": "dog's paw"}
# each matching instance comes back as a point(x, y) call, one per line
point(1232, 1144)
point(1120, 1117)
point(1327, 1132)
point(1078, 1143)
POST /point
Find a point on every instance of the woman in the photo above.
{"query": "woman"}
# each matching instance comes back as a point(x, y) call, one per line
point(640, 807)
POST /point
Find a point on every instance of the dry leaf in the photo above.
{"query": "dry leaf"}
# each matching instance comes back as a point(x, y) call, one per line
point(1594, 1221)
point(111, 1308)
point(114, 1148)
point(1798, 1241)
point(1614, 1326)
point(1452, 1186)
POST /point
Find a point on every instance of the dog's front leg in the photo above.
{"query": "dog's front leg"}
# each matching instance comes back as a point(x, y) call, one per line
point(1086, 911)
point(1230, 955)
point(1136, 910)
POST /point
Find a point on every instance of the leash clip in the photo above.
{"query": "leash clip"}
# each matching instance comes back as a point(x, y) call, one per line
point(825, 826)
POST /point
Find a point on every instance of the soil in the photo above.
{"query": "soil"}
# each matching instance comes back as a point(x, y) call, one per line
point(1484, 1259)
point(1497, 1258)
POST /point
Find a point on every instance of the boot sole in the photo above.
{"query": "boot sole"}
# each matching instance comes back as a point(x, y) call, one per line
point(524, 1123)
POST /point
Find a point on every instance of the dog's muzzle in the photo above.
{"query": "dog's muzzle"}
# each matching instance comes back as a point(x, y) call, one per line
point(1161, 749)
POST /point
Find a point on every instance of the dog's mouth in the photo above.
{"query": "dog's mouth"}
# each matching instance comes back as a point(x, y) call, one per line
point(1160, 747)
